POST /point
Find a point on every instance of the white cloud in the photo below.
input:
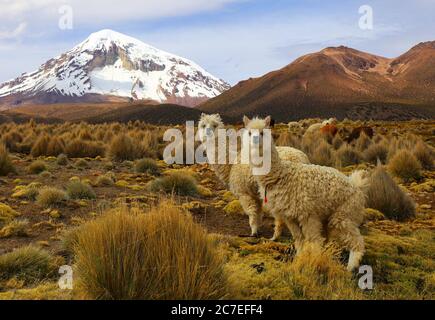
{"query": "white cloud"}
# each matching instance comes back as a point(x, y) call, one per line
point(6, 34)
point(101, 11)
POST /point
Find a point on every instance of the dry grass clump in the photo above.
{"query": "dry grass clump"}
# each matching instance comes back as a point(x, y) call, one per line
point(385, 195)
point(36, 167)
point(337, 142)
point(51, 197)
point(405, 166)
point(122, 148)
point(162, 254)
point(6, 165)
point(424, 155)
point(16, 228)
point(147, 165)
point(78, 190)
point(84, 149)
point(40, 146)
point(323, 155)
point(125, 148)
point(179, 183)
point(55, 147)
point(375, 152)
point(29, 264)
point(363, 142)
point(347, 156)
point(81, 163)
point(7, 214)
point(287, 139)
point(62, 159)
point(316, 274)
point(105, 181)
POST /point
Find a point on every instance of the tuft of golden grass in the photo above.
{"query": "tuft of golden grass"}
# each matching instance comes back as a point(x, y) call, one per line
point(6, 165)
point(160, 254)
point(347, 156)
point(404, 165)
point(147, 165)
point(104, 181)
point(36, 167)
point(40, 146)
point(323, 155)
point(16, 228)
point(424, 155)
point(30, 264)
point(123, 148)
point(385, 195)
point(62, 159)
point(84, 149)
point(51, 197)
point(78, 190)
point(180, 183)
point(7, 214)
point(375, 152)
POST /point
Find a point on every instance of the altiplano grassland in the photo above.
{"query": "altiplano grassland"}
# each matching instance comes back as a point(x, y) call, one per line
point(64, 186)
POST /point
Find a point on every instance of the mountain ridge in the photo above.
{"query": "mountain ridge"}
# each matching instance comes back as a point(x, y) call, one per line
point(111, 66)
point(334, 82)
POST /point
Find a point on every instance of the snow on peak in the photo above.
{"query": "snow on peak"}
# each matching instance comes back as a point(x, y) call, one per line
point(111, 63)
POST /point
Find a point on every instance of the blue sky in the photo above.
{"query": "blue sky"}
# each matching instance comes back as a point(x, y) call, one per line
point(232, 39)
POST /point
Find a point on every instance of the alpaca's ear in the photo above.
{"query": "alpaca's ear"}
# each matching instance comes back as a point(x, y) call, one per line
point(246, 120)
point(268, 121)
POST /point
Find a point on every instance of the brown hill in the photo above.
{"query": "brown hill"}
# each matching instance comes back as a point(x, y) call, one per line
point(340, 82)
point(163, 114)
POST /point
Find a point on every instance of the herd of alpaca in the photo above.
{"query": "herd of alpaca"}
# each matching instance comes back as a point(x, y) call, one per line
point(317, 204)
point(239, 179)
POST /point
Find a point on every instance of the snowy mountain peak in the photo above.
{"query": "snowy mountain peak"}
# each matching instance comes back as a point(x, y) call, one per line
point(110, 64)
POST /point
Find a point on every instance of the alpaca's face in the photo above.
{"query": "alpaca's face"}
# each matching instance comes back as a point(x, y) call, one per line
point(257, 136)
point(208, 126)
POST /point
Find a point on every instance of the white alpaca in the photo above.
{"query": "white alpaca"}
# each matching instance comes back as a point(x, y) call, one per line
point(310, 197)
point(238, 177)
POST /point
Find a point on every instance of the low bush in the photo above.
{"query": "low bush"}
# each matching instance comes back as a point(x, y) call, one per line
point(147, 166)
point(78, 190)
point(178, 183)
point(385, 195)
point(164, 254)
point(51, 197)
point(405, 166)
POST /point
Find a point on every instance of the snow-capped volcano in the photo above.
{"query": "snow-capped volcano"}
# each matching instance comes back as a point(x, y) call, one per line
point(110, 65)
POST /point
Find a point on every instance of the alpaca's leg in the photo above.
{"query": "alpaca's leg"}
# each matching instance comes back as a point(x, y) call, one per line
point(252, 208)
point(279, 225)
point(296, 232)
point(312, 229)
point(348, 235)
